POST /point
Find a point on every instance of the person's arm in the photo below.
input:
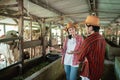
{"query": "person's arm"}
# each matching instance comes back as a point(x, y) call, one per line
point(73, 52)
point(54, 49)
point(78, 45)
point(83, 51)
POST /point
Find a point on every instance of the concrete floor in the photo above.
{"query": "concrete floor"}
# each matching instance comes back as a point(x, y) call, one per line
point(108, 71)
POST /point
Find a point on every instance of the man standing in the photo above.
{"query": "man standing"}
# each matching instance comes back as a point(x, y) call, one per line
point(93, 48)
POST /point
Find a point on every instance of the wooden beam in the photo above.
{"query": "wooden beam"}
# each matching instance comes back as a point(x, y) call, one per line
point(92, 6)
point(33, 17)
point(8, 24)
point(30, 44)
point(20, 7)
point(8, 6)
point(17, 16)
point(9, 39)
point(14, 16)
point(8, 15)
point(95, 7)
point(16, 21)
point(48, 7)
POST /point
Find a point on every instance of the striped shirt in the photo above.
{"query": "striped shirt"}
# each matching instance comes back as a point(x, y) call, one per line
point(93, 48)
point(79, 41)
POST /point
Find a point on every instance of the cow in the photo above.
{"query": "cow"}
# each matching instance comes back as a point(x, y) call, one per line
point(5, 51)
point(2, 61)
point(9, 49)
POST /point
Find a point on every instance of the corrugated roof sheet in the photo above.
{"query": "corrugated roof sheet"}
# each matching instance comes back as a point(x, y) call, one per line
point(77, 10)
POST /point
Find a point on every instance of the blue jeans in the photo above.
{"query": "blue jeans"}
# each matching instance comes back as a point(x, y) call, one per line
point(71, 72)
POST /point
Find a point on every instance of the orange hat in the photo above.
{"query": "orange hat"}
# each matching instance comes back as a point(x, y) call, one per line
point(70, 24)
point(92, 20)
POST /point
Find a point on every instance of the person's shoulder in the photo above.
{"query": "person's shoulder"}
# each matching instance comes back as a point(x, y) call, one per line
point(66, 38)
point(80, 37)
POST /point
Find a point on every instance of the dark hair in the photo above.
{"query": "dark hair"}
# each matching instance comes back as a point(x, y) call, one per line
point(69, 36)
point(95, 28)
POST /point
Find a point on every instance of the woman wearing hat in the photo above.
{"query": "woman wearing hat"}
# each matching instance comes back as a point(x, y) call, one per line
point(69, 52)
point(93, 48)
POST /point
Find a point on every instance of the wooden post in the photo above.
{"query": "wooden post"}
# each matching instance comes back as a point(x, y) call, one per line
point(50, 37)
point(119, 34)
point(43, 37)
point(62, 22)
point(116, 33)
point(104, 33)
point(119, 39)
point(31, 30)
point(4, 29)
point(31, 52)
point(20, 8)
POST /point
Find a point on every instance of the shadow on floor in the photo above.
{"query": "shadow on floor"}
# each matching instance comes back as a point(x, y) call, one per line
point(108, 72)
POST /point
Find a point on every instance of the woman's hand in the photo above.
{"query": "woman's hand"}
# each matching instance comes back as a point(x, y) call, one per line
point(52, 49)
point(71, 52)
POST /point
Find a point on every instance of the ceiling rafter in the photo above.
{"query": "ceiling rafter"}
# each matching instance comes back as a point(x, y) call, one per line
point(11, 5)
point(48, 7)
point(93, 7)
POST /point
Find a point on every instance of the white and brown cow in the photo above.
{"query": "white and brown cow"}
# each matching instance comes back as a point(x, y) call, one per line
point(10, 49)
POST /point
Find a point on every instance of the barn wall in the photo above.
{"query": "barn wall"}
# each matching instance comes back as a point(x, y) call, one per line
point(117, 68)
point(52, 72)
point(9, 72)
point(12, 71)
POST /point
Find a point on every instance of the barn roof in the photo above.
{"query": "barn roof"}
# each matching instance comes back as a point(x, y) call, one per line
point(71, 10)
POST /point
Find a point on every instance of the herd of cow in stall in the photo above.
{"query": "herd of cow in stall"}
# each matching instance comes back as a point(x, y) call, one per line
point(9, 51)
